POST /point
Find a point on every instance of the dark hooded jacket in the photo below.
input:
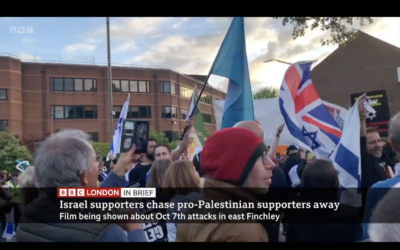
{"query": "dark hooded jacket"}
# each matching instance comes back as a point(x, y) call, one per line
point(172, 212)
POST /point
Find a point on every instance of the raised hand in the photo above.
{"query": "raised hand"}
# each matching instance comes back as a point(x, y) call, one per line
point(280, 129)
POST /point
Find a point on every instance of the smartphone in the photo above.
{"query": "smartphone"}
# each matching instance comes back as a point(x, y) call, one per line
point(135, 132)
point(278, 155)
point(142, 136)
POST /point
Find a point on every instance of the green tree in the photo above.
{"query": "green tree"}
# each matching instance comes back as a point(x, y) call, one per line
point(101, 148)
point(340, 27)
point(12, 150)
point(159, 137)
point(267, 92)
point(172, 145)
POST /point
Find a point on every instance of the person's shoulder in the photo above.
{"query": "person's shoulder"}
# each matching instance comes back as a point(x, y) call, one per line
point(379, 184)
point(389, 183)
point(134, 171)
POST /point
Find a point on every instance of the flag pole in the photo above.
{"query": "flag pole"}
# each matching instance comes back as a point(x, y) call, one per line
point(198, 99)
point(110, 92)
point(195, 106)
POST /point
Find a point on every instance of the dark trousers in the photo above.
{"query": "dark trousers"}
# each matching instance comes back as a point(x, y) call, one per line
point(17, 215)
point(3, 228)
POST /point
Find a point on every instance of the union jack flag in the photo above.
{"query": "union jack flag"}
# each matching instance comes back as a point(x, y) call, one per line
point(306, 117)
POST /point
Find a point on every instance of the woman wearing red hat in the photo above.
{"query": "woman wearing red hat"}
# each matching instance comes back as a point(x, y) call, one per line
point(237, 170)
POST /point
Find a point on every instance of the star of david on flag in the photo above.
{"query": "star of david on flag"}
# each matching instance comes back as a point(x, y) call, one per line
point(306, 117)
point(308, 120)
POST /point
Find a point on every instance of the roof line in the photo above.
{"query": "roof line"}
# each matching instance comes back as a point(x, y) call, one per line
point(105, 64)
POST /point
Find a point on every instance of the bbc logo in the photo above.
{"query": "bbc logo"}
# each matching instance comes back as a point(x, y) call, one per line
point(63, 192)
point(71, 192)
point(21, 29)
point(80, 192)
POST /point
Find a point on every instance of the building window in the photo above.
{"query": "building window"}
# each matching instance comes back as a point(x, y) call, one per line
point(205, 98)
point(168, 88)
point(184, 113)
point(207, 118)
point(186, 92)
point(72, 84)
point(171, 135)
point(131, 86)
point(73, 112)
point(168, 112)
point(124, 86)
point(143, 87)
point(139, 112)
point(3, 125)
point(3, 94)
point(133, 112)
point(116, 86)
point(94, 136)
point(117, 111)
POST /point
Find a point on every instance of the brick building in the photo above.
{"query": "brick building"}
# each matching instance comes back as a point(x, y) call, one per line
point(37, 98)
point(363, 64)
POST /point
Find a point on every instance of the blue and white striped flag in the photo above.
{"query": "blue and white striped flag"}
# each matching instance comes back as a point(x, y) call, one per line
point(115, 146)
point(103, 175)
point(347, 160)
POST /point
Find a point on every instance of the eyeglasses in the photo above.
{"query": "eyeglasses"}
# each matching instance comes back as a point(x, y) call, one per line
point(265, 157)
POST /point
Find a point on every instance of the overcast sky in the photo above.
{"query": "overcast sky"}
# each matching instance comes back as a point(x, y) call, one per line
point(188, 45)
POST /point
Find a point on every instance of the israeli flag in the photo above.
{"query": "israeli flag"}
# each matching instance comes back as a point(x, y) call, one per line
point(347, 160)
point(115, 146)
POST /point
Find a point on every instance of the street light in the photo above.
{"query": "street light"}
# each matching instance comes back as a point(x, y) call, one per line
point(272, 60)
point(276, 60)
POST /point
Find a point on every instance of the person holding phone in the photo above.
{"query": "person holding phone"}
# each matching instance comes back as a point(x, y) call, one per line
point(55, 168)
point(137, 174)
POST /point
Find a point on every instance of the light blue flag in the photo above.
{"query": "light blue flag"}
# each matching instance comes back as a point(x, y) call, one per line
point(231, 62)
point(115, 146)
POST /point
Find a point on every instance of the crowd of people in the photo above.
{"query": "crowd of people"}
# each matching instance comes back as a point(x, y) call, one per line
point(232, 159)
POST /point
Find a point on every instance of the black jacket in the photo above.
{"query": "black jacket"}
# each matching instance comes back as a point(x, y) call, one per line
point(4, 196)
point(342, 225)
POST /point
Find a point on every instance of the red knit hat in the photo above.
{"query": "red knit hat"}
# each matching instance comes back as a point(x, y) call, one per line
point(230, 154)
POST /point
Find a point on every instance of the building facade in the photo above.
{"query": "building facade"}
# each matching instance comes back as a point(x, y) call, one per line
point(40, 98)
point(361, 65)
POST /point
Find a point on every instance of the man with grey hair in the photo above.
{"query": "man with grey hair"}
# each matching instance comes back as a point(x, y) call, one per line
point(67, 159)
point(380, 189)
